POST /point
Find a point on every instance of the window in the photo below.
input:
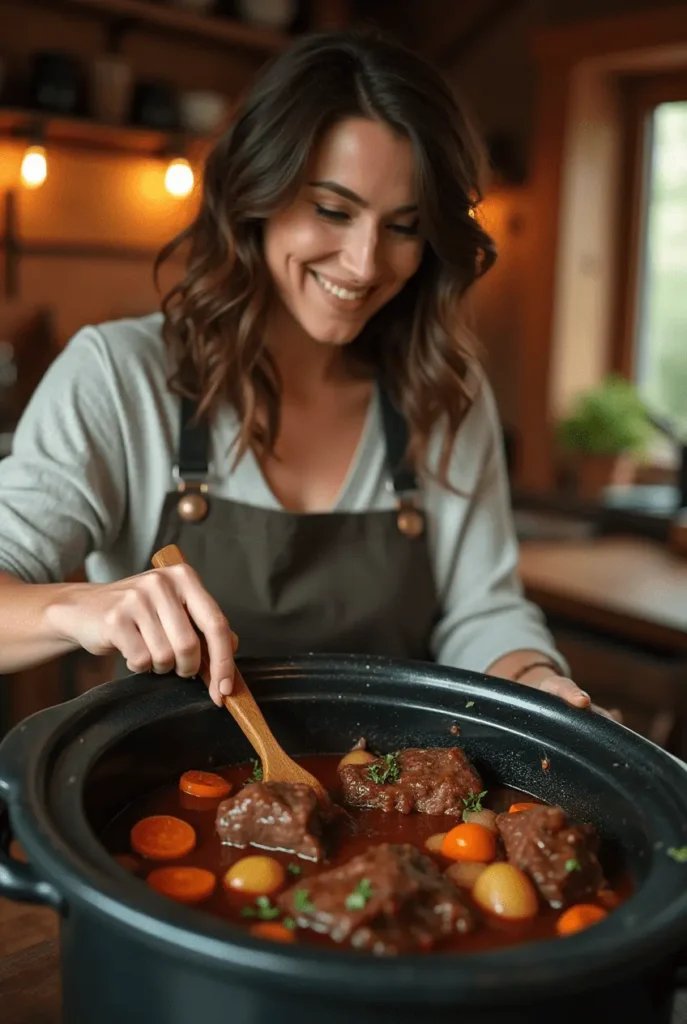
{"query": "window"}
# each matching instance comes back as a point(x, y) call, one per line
point(655, 328)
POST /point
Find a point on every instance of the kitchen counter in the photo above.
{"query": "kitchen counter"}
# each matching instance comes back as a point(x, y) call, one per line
point(29, 964)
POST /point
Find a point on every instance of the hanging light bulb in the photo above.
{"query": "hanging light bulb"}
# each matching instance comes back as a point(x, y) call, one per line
point(179, 177)
point(34, 167)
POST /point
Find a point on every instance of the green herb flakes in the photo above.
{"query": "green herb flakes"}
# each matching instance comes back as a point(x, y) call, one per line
point(573, 865)
point(360, 895)
point(294, 869)
point(678, 853)
point(388, 771)
point(301, 901)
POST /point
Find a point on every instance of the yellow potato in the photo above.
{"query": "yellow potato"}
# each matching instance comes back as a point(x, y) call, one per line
point(504, 890)
point(433, 843)
point(357, 757)
point(485, 818)
point(255, 875)
point(465, 873)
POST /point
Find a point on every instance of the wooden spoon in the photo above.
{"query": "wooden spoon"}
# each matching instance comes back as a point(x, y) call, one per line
point(277, 766)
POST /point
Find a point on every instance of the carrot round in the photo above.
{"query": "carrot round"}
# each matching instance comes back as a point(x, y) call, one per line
point(516, 808)
point(581, 916)
point(162, 837)
point(187, 885)
point(204, 784)
point(17, 851)
point(273, 930)
point(128, 862)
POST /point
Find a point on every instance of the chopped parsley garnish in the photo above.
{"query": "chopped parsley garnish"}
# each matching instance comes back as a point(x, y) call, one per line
point(289, 923)
point(678, 853)
point(470, 704)
point(256, 775)
point(388, 771)
point(357, 899)
point(573, 865)
point(473, 801)
point(301, 901)
point(294, 869)
point(263, 909)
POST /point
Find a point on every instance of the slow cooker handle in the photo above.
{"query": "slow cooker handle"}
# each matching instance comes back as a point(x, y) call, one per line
point(20, 882)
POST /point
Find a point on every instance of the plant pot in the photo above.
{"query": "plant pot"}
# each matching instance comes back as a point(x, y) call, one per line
point(129, 954)
point(594, 473)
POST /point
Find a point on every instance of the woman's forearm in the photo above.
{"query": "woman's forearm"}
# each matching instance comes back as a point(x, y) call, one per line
point(528, 665)
point(26, 635)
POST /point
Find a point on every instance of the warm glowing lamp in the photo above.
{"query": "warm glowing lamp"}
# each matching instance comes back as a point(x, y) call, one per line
point(179, 177)
point(34, 167)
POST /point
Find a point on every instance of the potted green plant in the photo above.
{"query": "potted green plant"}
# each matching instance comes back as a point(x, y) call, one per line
point(604, 435)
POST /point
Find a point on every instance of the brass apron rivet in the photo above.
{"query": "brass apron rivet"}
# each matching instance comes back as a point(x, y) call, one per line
point(411, 522)
point(192, 507)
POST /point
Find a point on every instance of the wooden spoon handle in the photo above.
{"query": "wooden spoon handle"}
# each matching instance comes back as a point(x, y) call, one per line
point(241, 703)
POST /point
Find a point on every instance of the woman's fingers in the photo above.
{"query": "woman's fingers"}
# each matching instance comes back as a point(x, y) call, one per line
point(212, 623)
point(566, 689)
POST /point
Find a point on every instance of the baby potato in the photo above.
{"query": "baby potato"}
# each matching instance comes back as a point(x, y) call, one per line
point(434, 843)
point(485, 818)
point(357, 756)
point(465, 873)
point(507, 892)
point(257, 875)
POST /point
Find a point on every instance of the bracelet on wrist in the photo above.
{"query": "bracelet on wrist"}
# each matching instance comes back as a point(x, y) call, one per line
point(517, 676)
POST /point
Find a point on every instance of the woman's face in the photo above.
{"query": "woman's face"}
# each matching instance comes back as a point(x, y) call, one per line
point(348, 242)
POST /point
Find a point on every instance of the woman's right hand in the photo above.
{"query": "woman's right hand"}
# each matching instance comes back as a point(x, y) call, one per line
point(152, 619)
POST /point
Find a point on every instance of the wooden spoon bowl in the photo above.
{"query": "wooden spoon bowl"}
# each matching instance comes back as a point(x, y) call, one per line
point(277, 766)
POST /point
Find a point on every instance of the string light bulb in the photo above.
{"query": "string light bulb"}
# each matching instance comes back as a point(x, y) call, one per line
point(34, 167)
point(179, 178)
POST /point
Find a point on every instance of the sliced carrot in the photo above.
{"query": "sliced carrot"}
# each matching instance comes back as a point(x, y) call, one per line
point(17, 851)
point(128, 862)
point(188, 885)
point(516, 808)
point(608, 899)
point(273, 930)
point(162, 837)
point(204, 784)
point(581, 916)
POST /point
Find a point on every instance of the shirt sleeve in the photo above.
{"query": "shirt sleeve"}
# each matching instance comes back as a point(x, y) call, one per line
point(63, 487)
point(485, 614)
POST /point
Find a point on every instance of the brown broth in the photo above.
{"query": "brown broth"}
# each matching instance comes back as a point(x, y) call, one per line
point(358, 830)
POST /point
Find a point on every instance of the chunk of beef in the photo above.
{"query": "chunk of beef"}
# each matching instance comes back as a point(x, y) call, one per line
point(391, 899)
point(274, 816)
point(433, 781)
point(559, 857)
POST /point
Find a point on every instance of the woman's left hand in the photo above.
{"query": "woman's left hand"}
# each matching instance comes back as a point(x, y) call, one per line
point(568, 691)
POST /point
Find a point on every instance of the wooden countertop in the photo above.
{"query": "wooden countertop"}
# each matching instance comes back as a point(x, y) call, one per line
point(29, 964)
point(629, 586)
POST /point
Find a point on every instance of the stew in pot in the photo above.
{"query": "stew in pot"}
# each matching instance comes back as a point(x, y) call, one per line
point(415, 855)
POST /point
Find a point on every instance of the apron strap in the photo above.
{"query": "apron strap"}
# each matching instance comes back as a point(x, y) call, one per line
point(396, 436)
point(194, 445)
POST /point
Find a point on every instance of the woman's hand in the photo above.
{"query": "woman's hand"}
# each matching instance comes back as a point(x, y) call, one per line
point(567, 690)
point(153, 620)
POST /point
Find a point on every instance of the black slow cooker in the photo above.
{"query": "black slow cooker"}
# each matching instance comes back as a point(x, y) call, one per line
point(130, 956)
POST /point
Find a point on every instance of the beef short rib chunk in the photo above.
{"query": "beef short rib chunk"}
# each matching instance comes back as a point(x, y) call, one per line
point(391, 899)
point(559, 857)
point(433, 781)
point(274, 816)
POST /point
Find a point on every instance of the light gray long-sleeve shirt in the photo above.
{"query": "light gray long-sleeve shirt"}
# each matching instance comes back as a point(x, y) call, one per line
point(93, 458)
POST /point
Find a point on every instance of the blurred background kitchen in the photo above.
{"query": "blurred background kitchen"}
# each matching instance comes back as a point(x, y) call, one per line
point(106, 110)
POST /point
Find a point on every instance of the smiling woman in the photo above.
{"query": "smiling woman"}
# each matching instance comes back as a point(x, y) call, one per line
point(305, 419)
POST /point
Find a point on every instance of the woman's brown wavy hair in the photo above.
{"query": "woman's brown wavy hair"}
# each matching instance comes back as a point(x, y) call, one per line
point(214, 319)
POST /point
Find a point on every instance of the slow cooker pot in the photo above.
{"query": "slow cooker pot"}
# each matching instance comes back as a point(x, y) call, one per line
point(130, 955)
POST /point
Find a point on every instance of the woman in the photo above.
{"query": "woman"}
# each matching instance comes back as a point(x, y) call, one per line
point(305, 418)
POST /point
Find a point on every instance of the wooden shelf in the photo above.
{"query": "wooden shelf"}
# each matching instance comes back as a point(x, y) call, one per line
point(223, 32)
point(81, 133)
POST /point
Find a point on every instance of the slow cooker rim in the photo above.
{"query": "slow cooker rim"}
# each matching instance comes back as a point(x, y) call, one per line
point(89, 891)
